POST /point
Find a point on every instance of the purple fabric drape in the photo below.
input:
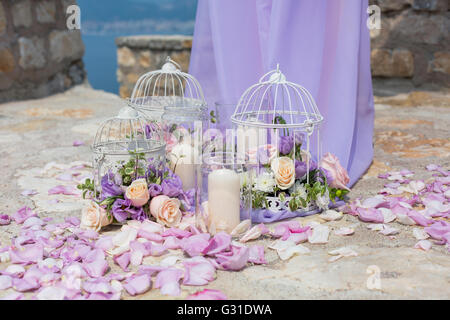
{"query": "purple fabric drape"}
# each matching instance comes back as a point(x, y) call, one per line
point(322, 45)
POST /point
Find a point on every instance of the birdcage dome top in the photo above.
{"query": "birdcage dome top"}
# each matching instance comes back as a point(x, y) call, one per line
point(129, 131)
point(168, 86)
point(275, 102)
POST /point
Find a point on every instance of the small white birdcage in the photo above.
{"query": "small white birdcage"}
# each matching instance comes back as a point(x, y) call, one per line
point(276, 121)
point(124, 148)
point(166, 87)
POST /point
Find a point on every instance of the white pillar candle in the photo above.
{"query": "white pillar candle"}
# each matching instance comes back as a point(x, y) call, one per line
point(224, 199)
point(184, 162)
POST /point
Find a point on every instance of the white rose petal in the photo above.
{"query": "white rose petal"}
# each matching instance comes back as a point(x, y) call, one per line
point(341, 253)
point(420, 234)
point(331, 215)
point(388, 215)
point(287, 249)
point(344, 231)
point(424, 245)
point(319, 234)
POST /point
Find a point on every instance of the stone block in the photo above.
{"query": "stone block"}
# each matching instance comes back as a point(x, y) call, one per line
point(46, 11)
point(419, 28)
point(124, 92)
point(7, 62)
point(392, 5)
point(125, 57)
point(3, 21)
point(66, 45)
point(430, 5)
point(146, 60)
point(392, 63)
point(21, 14)
point(32, 53)
point(440, 62)
point(403, 63)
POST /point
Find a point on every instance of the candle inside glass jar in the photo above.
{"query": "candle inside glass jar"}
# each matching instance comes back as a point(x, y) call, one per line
point(224, 199)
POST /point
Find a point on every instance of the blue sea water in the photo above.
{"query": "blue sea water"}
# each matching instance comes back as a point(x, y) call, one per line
point(102, 21)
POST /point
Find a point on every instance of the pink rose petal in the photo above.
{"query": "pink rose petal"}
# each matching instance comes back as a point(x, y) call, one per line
point(256, 253)
point(4, 219)
point(168, 281)
point(27, 254)
point(66, 190)
point(77, 143)
point(207, 294)
point(220, 242)
point(370, 215)
point(198, 271)
point(23, 214)
point(123, 260)
point(236, 261)
point(138, 284)
point(5, 282)
point(196, 244)
point(28, 192)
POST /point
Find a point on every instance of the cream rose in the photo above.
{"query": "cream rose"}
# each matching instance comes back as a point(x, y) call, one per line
point(340, 176)
point(284, 172)
point(137, 192)
point(166, 210)
point(94, 217)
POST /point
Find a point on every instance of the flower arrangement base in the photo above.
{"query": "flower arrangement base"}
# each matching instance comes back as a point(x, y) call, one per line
point(279, 210)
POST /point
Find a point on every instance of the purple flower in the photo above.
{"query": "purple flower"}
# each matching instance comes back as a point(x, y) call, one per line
point(109, 186)
point(324, 173)
point(187, 199)
point(122, 209)
point(285, 144)
point(299, 137)
point(301, 169)
point(172, 186)
point(155, 190)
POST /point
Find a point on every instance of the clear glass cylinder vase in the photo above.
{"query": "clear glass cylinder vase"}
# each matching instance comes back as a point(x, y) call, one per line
point(226, 191)
point(183, 128)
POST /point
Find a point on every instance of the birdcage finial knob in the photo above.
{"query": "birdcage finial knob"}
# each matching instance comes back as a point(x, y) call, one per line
point(170, 65)
point(127, 113)
point(277, 75)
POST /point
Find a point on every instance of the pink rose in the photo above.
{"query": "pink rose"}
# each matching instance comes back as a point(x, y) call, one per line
point(166, 210)
point(138, 193)
point(94, 217)
point(340, 176)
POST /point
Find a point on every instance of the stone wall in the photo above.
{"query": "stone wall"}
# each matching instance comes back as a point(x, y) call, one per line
point(39, 56)
point(413, 42)
point(412, 46)
point(139, 54)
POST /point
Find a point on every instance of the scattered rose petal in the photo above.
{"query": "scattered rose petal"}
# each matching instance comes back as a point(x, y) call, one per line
point(220, 242)
point(252, 234)
point(168, 281)
point(256, 255)
point(51, 293)
point(234, 260)
point(420, 234)
point(198, 271)
point(344, 231)
point(28, 192)
point(319, 234)
point(331, 215)
point(4, 219)
point(78, 143)
point(195, 244)
point(5, 282)
point(241, 228)
point(341, 253)
point(138, 284)
point(23, 214)
point(207, 294)
point(423, 244)
point(287, 249)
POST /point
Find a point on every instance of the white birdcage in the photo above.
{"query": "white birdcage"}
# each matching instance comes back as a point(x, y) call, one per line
point(124, 139)
point(278, 119)
point(166, 87)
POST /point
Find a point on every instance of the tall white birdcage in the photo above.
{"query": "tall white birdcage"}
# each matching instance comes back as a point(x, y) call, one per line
point(124, 148)
point(166, 87)
point(276, 122)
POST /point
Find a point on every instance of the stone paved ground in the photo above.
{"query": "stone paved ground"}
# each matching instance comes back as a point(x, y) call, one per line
point(411, 131)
